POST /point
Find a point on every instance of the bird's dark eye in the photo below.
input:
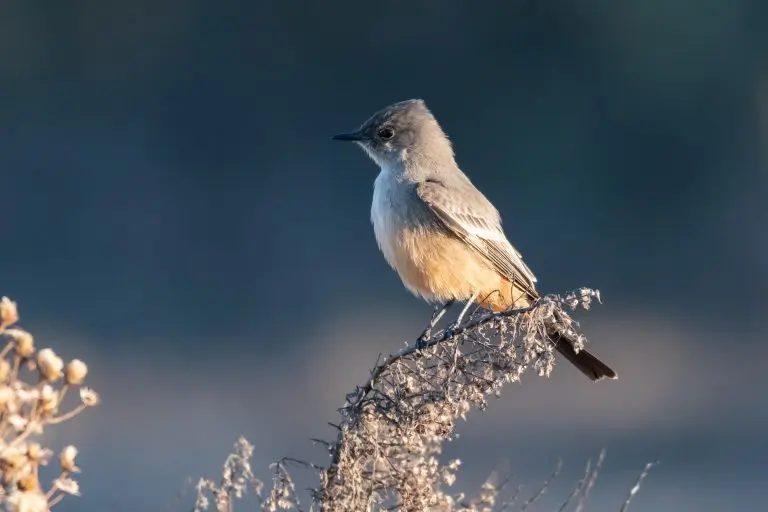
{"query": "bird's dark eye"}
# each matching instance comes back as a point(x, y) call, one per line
point(386, 133)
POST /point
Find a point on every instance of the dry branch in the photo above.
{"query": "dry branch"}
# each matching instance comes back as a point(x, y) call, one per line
point(392, 428)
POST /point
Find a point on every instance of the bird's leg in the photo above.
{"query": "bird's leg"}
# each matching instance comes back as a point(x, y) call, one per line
point(437, 314)
point(455, 325)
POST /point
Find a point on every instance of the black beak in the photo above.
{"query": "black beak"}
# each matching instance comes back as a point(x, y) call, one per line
point(356, 136)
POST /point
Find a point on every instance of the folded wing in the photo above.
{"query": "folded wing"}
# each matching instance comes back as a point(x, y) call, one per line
point(464, 210)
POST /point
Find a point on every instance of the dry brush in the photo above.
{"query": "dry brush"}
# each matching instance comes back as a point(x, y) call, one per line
point(33, 386)
point(392, 428)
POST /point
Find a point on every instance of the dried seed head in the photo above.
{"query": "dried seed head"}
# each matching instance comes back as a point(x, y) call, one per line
point(89, 397)
point(18, 422)
point(35, 452)
point(12, 461)
point(9, 315)
point(29, 483)
point(67, 485)
point(67, 459)
point(49, 399)
point(49, 364)
point(26, 396)
point(24, 342)
point(76, 372)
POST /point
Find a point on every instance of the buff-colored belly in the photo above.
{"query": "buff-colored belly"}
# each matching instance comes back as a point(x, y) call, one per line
point(440, 267)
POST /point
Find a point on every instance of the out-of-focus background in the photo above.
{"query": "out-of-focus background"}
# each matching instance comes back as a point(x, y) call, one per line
point(175, 214)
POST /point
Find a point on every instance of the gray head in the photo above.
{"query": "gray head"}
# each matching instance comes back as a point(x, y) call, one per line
point(402, 132)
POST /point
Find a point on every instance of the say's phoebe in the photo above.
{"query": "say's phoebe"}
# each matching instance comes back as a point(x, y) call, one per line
point(439, 232)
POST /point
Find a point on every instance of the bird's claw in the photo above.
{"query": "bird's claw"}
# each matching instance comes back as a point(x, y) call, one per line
point(450, 331)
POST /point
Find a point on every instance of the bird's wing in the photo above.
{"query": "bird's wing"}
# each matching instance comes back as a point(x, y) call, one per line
point(464, 210)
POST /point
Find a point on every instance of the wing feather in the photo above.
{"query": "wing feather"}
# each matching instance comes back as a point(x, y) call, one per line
point(470, 216)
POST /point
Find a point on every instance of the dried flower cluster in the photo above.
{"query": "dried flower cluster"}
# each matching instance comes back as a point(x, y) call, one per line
point(33, 385)
point(392, 428)
point(237, 477)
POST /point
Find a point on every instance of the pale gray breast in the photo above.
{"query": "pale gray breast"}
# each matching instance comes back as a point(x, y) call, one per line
point(397, 213)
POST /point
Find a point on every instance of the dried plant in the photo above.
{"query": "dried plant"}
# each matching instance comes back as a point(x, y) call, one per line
point(33, 385)
point(392, 428)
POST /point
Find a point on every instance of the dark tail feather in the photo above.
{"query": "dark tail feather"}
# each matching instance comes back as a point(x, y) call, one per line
point(588, 364)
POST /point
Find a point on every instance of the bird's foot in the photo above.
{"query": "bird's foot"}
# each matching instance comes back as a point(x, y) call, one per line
point(424, 337)
point(423, 341)
point(450, 331)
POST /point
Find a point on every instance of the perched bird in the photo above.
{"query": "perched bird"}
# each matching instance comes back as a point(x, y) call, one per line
point(438, 231)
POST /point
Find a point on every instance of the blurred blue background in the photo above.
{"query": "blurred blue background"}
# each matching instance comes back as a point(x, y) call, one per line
point(176, 215)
